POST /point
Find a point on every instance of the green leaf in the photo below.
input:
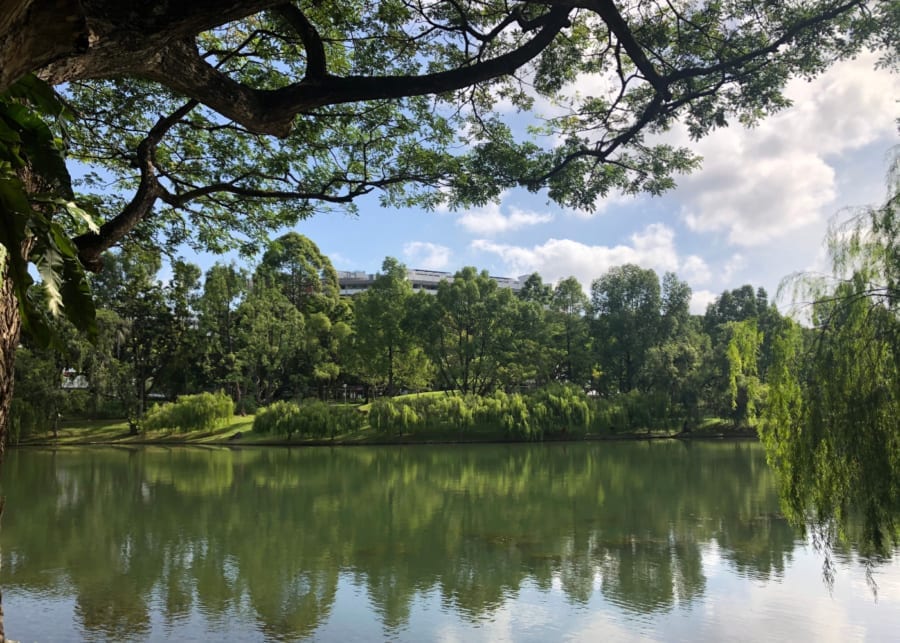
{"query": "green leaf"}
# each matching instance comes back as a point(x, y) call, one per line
point(74, 287)
point(78, 213)
point(39, 94)
point(40, 147)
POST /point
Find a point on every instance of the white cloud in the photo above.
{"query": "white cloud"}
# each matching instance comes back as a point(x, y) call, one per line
point(431, 256)
point(733, 266)
point(762, 183)
point(490, 221)
point(694, 270)
point(700, 299)
point(614, 199)
point(653, 247)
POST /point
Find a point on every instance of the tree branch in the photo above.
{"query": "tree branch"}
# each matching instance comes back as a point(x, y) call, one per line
point(181, 67)
point(608, 12)
point(92, 245)
point(315, 50)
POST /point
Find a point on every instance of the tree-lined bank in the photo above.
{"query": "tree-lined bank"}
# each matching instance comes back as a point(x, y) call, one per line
point(280, 331)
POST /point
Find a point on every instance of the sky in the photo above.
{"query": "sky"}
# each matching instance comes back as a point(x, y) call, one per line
point(756, 212)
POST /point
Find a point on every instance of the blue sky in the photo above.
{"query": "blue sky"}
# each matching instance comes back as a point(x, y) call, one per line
point(757, 210)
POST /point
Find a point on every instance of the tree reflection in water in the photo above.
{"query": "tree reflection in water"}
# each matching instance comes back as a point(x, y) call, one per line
point(273, 533)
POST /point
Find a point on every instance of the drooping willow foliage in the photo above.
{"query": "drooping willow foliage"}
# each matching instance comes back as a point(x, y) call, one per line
point(833, 414)
point(204, 411)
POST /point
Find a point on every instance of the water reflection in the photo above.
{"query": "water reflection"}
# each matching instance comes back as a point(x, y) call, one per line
point(267, 535)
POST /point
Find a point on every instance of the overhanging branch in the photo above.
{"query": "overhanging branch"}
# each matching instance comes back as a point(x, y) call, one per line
point(181, 67)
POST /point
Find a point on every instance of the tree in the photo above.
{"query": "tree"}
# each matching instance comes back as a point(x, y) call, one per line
point(223, 289)
point(384, 349)
point(626, 304)
point(179, 102)
point(675, 303)
point(831, 429)
point(129, 287)
point(570, 306)
point(269, 341)
point(534, 289)
point(677, 367)
point(466, 328)
point(293, 264)
point(674, 366)
point(181, 373)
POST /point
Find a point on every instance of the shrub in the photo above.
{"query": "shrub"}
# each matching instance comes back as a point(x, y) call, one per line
point(24, 420)
point(516, 419)
point(203, 411)
point(387, 416)
point(560, 409)
point(312, 418)
point(282, 418)
point(346, 419)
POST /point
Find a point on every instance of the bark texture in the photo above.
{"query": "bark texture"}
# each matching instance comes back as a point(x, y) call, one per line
point(34, 34)
point(69, 39)
point(10, 326)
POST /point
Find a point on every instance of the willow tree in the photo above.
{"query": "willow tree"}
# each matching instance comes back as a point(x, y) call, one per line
point(832, 430)
point(213, 122)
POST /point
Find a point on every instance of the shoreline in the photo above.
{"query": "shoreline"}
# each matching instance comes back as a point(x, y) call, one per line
point(349, 441)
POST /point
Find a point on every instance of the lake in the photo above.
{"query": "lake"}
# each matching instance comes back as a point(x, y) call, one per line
point(594, 541)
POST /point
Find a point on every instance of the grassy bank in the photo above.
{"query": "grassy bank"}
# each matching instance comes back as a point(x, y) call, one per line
point(239, 432)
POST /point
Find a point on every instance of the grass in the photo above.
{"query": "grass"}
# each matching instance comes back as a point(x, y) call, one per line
point(85, 432)
point(409, 396)
point(117, 432)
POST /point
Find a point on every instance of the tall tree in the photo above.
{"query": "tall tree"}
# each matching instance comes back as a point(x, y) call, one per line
point(295, 265)
point(534, 289)
point(181, 372)
point(223, 288)
point(467, 331)
point(270, 339)
point(626, 304)
point(131, 289)
point(383, 346)
point(570, 307)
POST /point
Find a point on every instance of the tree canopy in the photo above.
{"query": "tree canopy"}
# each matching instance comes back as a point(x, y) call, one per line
point(220, 121)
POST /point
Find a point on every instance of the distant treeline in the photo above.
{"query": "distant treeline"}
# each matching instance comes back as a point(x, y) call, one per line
point(281, 331)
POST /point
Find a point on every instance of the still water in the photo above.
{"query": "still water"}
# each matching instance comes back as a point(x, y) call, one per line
point(585, 542)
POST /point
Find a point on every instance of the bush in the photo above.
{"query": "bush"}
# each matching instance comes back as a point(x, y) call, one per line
point(200, 412)
point(282, 418)
point(406, 416)
point(559, 409)
point(556, 410)
point(313, 418)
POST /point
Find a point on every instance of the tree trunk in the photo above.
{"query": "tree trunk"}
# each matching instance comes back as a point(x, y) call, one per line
point(10, 326)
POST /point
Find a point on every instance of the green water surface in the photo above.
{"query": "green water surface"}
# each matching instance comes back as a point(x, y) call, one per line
point(579, 541)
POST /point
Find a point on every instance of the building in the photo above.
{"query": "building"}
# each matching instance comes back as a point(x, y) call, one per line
point(355, 281)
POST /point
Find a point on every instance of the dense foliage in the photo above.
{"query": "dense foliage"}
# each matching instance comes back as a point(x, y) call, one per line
point(832, 429)
point(200, 412)
point(311, 419)
point(530, 362)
